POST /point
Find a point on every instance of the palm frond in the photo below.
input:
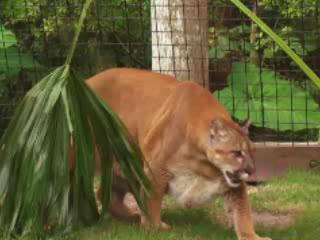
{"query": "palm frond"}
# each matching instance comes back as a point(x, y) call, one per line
point(279, 41)
point(37, 192)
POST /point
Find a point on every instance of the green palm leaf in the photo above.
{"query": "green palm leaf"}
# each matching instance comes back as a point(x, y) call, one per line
point(36, 190)
point(279, 41)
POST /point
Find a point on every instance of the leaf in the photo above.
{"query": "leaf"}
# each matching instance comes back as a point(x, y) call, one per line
point(34, 159)
point(226, 41)
point(268, 53)
point(7, 38)
point(243, 29)
point(38, 190)
point(310, 40)
point(268, 99)
point(12, 61)
point(296, 46)
point(279, 41)
point(216, 52)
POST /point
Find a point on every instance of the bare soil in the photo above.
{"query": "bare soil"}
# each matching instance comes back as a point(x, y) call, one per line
point(264, 219)
point(272, 220)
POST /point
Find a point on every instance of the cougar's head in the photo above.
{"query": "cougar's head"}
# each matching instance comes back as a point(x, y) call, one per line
point(229, 149)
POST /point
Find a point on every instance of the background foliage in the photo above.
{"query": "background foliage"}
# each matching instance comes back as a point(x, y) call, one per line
point(259, 93)
point(117, 33)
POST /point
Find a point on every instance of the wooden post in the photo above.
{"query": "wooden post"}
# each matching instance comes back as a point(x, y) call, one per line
point(179, 39)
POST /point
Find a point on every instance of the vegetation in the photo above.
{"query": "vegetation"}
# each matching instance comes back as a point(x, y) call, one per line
point(33, 37)
point(41, 190)
point(293, 21)
point(12, 60)
point(254, 89)
point(117, 33)
point(45, 27)
point(269, 100)
point(292, 197)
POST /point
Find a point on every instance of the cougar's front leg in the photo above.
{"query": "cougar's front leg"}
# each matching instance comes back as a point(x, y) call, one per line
point(237, 202)
point(159, 182)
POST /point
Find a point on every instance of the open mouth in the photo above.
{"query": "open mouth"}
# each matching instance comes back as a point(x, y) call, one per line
point(235, 179)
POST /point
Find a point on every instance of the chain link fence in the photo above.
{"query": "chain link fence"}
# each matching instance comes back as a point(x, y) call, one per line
point(211, 42)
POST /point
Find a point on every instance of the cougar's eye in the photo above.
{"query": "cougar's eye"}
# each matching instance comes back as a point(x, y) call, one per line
point(237, 153)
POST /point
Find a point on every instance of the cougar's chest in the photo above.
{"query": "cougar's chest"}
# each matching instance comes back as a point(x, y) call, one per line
point(191, 190)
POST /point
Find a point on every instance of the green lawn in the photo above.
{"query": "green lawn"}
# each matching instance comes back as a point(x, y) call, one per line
point(295, 197)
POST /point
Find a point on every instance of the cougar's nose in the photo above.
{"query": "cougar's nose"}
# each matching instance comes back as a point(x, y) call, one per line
point(250, 169)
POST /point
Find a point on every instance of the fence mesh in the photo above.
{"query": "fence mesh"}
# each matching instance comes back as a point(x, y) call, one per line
point(211, 42)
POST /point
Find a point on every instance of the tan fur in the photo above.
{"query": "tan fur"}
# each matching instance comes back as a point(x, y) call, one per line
point(188, 140)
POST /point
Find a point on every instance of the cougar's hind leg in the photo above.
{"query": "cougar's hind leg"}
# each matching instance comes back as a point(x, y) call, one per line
point(119, 208)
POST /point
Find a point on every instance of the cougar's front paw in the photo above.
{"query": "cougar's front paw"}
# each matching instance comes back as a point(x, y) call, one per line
point(164, 226)
point(256, 237)
point(146, 224)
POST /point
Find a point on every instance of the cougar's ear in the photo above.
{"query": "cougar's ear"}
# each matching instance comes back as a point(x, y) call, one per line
point(245, 126)
point(217, 129)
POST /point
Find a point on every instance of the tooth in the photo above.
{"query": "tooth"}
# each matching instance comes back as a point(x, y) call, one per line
point(244, 176)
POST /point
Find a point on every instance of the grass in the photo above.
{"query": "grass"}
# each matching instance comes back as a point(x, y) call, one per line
point(296, 195)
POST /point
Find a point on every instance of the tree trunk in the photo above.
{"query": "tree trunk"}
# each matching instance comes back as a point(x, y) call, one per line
point(179, 39)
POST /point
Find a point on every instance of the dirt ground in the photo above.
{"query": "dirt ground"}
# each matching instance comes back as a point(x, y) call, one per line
point(263, 219)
